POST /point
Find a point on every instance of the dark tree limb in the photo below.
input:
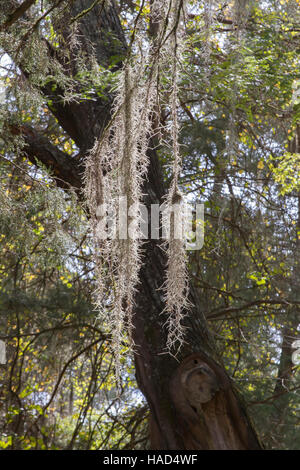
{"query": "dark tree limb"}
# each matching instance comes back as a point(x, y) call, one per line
point(65, 170)
point(101, 35)
point(17, 13)
point(222, 311)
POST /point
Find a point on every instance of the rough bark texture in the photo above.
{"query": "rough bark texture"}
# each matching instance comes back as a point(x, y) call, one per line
point(193, 403)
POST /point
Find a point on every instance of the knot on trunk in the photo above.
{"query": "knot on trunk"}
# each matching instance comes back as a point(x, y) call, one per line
point(193, 384)
point(208, 412)
point(199, 383)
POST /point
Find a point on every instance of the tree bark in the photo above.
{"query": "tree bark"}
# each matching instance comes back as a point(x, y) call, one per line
point(193, 403)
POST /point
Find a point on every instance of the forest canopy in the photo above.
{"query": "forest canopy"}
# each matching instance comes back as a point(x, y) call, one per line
point(159, 101)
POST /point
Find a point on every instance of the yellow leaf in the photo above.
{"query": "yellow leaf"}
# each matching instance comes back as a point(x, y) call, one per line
point(260, 165)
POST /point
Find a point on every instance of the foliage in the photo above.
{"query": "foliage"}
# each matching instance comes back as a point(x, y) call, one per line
point(239, 147)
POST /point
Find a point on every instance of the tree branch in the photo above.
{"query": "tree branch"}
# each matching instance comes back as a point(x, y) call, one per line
point(65, 169)
point(215, 314)
point(17, 13)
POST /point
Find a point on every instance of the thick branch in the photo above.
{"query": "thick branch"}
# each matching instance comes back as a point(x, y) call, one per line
point(100, 35)
point(17, 13)
point(65, 169)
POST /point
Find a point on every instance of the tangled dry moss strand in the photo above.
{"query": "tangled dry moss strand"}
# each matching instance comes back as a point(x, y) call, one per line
point(115, 171)
point(176, 284)
point(115, 174)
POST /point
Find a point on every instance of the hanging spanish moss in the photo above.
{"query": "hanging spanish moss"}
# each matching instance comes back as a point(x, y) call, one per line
point(176, 285)
point(115, 173)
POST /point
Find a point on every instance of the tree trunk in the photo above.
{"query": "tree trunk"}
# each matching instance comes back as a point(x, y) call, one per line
point(193, 402)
